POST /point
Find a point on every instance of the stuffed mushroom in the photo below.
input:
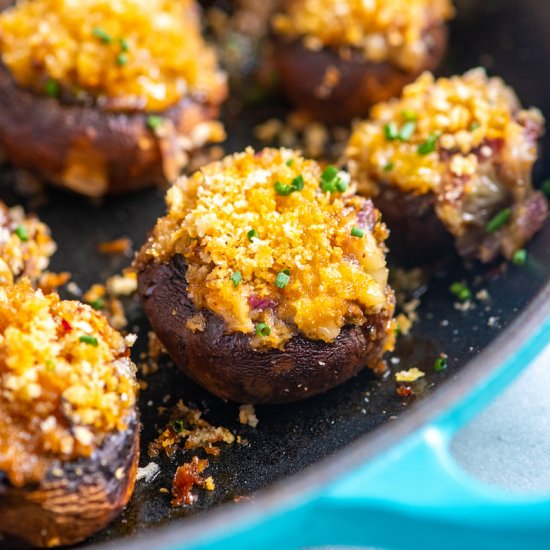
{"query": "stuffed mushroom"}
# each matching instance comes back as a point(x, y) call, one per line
point(451, 161)
point(69, 427)
point(266, 281)
point(25, 245)
point(106, 97)
point(337, 58)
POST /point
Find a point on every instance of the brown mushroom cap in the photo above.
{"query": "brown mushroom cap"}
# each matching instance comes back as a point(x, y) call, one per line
point(226, 365)
point(90, 150)
point(76, 499)
point(358, 84)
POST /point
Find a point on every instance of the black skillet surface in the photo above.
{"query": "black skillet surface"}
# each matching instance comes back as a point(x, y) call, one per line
point(506, 36)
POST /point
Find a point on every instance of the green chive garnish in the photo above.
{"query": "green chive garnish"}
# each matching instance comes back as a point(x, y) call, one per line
point(252, 234)
point(262, 330)
point(98, 304)
point(283, 278)
point(409, 115)
point(407, 130)
point(440, 364)
point(236, 278)
point(121, 59)
point(357, 232)
point(154, 122)
point(499, 220)
point(21, 232)
point(50, 365)
point(545, 188)
point(520, 257)
point(297, 184)
point(474, 126)
point(92, 340)
point(290, 162)
point(428, 146)
point(178, 425)
point(100, 33)
point(389, 167)
point(390, 131)
point(461, 291)
point(52, 87)
point(283, 189)
point(124, 46)
point(332, 181)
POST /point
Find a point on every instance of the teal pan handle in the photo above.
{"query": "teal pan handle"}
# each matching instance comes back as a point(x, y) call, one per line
point(412, 496)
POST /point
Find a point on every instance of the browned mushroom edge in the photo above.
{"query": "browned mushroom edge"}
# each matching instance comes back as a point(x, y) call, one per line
point(75, 499)
point(227, 366)
point(358, 83)
point(90, 150)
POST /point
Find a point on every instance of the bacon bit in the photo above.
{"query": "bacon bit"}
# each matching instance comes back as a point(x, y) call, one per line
point(118, 246)
point(188, 476)
point(404, 391)
point(49, 282)
point(66, 325)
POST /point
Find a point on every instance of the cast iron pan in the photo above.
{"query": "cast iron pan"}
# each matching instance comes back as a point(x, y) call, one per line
point(506, 36)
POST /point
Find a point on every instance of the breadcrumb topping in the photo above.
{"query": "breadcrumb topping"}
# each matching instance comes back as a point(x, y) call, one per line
point(382, 29)
point(128, 54)
point(449, 126)
point(66, 381)
point(271, 252)
point(25, 245)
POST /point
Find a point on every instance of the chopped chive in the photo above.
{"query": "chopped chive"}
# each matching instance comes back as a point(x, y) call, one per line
point(98, 304)
point(21, 232)
point(282, 279)
point(474, 126)
point(297, 183)
point(290, 162)
point(52, 87)
point(287, 271)
point(461, 291)
point(545, 188)
point(440, 364)
point(236, 278)
point(262, 330)
point(409, 115)
point(357, 232)
point(154, 122)
point(390, 131)
point(520, 257)
point(124, 46)
point(389, 167)
point(252, 234)
point(407, 130)
point(121, 59)
point(498, 221)
point(50, 365)
point(428, 146)
point(178, 425)
point(92, 340)
point(332, 181)
point(283, 189)
point(103, 35)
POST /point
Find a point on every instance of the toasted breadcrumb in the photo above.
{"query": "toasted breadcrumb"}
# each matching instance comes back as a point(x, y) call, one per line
point(247, 415)
point(411, 375)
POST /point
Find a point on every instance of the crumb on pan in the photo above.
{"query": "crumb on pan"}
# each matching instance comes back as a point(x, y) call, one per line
point(247, 415)
point(118, 246)
point(411, 375)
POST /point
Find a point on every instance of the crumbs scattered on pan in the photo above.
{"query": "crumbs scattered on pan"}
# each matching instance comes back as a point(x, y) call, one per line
point(188, 430)
point(121, 246)
point(148, 473)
